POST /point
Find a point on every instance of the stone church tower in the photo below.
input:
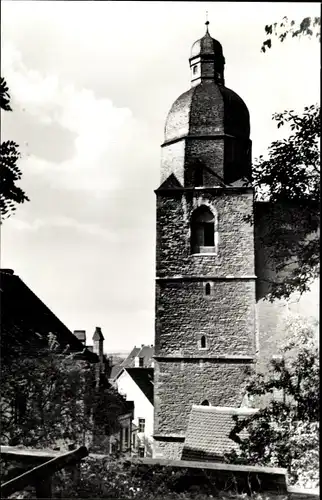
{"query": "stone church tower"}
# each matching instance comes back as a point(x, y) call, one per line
point(205, 272)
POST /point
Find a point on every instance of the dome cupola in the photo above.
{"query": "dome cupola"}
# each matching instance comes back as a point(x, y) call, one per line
point(208, 124)
point(207, 60)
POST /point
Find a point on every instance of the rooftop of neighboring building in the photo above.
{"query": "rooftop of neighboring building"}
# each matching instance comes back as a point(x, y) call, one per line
point(144, 353)
point(26, 321)
point(143, 377)
point(209, 427)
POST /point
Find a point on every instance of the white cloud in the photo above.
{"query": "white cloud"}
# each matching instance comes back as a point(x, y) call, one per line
point(97, 123)
point(74, 225)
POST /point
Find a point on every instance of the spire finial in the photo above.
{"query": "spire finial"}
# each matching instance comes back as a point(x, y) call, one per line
point(207, 22)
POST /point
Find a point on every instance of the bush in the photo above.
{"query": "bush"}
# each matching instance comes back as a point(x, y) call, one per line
point(122, 480)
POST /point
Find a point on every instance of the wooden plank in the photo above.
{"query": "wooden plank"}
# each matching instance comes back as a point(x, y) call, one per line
point(245, 477)
point(28, 455)
point(45, 470)
point(209, 465)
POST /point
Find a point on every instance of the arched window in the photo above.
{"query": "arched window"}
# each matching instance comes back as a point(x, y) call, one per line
point(205, 403)
point(202, 231)
point(203, 343)
point(194, 69)
point(207, 289)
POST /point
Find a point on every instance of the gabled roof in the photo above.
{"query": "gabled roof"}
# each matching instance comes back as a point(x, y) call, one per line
point(207, 436)
point(80, 334)
point(143, 377)
point(26, 321)
point(170, 183)
point(127, 361)
point(145, 351)
point(115, 370)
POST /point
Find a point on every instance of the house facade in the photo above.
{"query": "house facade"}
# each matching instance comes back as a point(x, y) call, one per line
point(136, 384)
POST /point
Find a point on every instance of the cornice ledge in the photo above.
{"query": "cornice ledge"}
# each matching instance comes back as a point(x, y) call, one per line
point(207, 189)
point(223, 358)
point(207, 278)
point(220, 135)
point(169, 437)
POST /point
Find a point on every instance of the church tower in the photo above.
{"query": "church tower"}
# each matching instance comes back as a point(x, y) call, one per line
point(205, 276)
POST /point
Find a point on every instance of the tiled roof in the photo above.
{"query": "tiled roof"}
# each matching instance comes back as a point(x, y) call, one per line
point(207, 436)
point(143, 377)
point(127, 361)
point(145, 351)
point(26, 321)
point(80, 334)
point(115, 370)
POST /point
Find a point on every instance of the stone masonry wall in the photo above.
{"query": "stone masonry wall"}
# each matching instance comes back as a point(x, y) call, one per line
point(273, 317)
point(180, 157)
point(209, 152)
point(235, 255)
point(172, 161)
point(180, 384)
point(171, 450)
point(184, 312)
point(226, 317)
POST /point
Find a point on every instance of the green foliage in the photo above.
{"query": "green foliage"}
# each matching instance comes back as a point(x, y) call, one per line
point(42, 398)
point(121, 479)
point(4, 95)
point(289, 177)
point(10, 193)
point(291, 170)
point(51, 398)
point(285, 432)
point(309, 26)
point(291, 173)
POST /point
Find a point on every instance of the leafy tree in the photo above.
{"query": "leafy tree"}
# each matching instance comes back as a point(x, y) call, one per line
point(285, 430)
point(10, 174)
point(309, 26)
point(52, 398)
point(289, 177)
point(42, 398)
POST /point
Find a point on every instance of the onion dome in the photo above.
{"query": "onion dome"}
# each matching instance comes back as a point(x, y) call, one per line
point(210, 121)
point(208, 108)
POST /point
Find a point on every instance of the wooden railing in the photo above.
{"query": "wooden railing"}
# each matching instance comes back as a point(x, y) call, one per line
point(39, 476)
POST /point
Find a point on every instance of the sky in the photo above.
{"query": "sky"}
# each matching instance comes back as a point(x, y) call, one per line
point(91, 86)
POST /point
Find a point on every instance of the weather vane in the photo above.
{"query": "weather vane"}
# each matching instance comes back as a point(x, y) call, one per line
point(207, 22)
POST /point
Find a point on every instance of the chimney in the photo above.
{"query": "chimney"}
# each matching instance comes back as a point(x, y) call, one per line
point(7, 271)
point(81, 335)
point(98, 341)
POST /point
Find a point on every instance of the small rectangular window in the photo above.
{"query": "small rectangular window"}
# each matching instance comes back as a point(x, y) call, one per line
point(141, 362)
point(126, 437)
point(141, 424)
point(141, 451)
